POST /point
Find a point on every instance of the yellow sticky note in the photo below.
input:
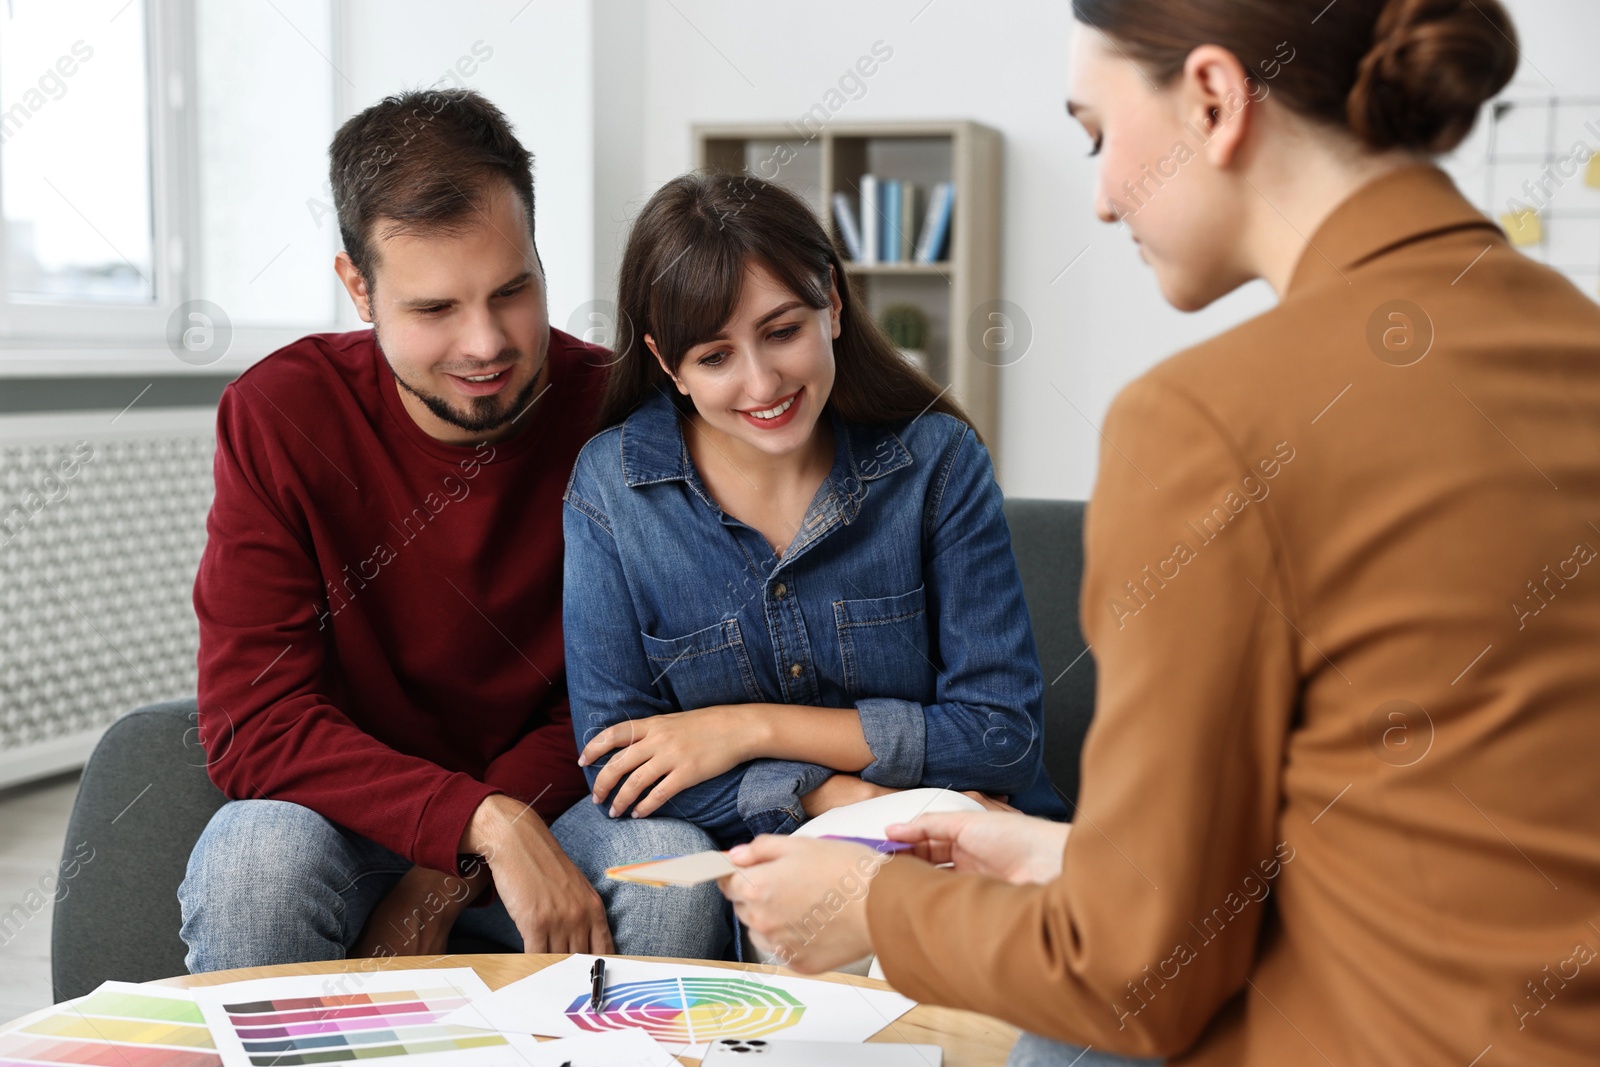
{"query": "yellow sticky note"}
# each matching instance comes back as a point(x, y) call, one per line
point(1523, 227)
point(1591, 177)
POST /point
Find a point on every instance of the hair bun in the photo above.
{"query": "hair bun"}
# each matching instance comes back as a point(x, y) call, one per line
point(1432, 65)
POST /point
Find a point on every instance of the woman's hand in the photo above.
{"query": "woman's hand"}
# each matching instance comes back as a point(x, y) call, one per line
point(991, 803)
point(844, 789)
point(673, 751)
point(786, 886)
point(1013, 847)
point(839, 790)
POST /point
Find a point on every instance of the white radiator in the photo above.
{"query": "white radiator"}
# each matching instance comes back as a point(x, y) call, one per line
point(102, 520)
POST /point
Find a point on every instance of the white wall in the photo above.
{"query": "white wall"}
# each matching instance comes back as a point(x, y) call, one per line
point(1003, 62)
point(604, 93)
point(621, 41)
point(538, 73)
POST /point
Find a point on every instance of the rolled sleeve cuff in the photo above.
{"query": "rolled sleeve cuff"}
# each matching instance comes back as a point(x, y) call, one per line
point(445, 819)
point(897, 734)
point(770, 792)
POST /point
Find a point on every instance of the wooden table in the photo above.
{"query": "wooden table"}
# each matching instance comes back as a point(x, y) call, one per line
point(968, 1039)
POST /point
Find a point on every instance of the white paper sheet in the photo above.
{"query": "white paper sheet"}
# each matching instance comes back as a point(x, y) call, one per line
point(684, 1007)
point(870, 818)
point(614, 1048)
point(321, 1020)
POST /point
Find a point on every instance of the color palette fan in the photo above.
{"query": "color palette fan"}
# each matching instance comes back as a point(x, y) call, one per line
point(118, 1025)
point(691, 1011)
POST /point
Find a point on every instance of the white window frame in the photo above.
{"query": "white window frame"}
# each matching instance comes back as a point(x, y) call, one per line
point(65, 339)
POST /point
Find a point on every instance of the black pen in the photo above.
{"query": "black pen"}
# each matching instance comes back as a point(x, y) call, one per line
point(597, 984)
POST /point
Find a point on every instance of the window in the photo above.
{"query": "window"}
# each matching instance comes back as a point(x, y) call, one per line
point(159, 153)
point(75, 156)
point(268, 105)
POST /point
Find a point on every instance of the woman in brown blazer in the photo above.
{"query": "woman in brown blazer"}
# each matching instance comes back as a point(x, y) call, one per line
point(1341, 796)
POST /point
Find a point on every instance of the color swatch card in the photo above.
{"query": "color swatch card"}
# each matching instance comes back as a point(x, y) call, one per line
point(118, 1025)
point(358, 1015)
point(683, 1007)
point(698, 867)
point(693, 869)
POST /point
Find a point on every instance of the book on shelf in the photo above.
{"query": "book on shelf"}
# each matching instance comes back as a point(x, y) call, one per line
point(845, 216)
point(936, 223)
point(909, 200)
point(893, 191)
point(870, 228)
point(887, 229)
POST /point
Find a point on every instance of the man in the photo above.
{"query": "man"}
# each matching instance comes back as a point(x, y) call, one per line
point(382, 691)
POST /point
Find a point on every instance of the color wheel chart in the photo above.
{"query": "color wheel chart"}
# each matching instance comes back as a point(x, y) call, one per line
point(114, 1028)
point(294, 1031)
point(690, 1011)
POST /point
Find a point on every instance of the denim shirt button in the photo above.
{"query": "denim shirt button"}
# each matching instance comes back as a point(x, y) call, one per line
point(795, 670)
point(780, 590)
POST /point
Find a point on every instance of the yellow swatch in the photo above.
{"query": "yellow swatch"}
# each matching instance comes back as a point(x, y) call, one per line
point(1591, 177)
point(131, 1031)
point(1523, 227)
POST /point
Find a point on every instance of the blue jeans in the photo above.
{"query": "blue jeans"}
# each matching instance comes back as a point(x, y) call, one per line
point(273, 882)
point(1032, 1050)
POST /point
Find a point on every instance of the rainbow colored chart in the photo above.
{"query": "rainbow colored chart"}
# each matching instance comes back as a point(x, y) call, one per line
point(690, 1010)
point(114, 1026)
point(296, 1031)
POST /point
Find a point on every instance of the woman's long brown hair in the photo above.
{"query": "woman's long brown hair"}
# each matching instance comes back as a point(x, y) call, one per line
point(683, 272)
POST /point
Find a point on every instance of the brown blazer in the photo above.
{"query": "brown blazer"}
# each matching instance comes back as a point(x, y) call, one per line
point(1341, 796)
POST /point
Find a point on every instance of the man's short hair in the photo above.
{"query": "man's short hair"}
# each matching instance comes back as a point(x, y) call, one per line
point(422, 161)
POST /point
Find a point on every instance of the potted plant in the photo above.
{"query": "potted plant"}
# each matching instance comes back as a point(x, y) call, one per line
point(907, 326)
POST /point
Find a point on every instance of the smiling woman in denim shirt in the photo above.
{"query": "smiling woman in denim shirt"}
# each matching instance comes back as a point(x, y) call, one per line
point(789, 582)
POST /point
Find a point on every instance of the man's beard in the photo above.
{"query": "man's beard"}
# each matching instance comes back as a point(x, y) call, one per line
point(484, 414)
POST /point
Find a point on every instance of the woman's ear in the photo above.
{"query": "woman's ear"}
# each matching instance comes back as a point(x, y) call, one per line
point(1217, 100)
point(835, 302)
point(650, 343)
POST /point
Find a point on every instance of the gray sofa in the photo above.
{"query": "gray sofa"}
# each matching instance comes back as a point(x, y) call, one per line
point(145, 795)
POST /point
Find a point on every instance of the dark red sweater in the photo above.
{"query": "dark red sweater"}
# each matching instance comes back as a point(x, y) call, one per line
point(380, 613)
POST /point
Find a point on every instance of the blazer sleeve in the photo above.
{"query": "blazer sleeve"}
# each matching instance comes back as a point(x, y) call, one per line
point(1152, 925)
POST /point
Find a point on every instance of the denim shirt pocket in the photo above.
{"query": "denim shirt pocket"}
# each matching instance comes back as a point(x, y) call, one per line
point(704, 668)
point(884, 644)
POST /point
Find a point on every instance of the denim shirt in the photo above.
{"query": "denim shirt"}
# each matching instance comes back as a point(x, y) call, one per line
point(899, 597)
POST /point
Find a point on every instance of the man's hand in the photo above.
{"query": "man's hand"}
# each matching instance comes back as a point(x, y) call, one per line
point(415, 917)
point(1013, 847)
point(670, 752)
point(804, 899)
point(554, 906)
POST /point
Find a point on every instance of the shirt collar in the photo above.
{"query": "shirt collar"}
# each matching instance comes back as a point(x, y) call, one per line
point(653, 448)
point(1397, 209)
